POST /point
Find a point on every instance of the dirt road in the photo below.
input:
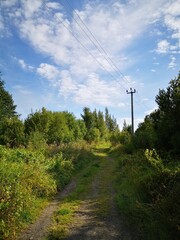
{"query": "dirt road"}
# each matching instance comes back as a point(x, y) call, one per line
point(97, 216)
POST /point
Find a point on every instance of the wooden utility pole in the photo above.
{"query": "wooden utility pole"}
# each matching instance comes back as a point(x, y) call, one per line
point(132, 91)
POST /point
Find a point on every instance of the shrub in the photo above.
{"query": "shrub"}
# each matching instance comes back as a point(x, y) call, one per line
point(148, 192)
point(62, 170)
point(23, 179)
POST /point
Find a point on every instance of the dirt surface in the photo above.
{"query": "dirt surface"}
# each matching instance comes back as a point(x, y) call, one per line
point(97, 217)
point(39, 229)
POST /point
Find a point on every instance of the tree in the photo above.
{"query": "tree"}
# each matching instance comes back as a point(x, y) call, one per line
point(111, 123)
point(59, 131)
point(88, 118)
point(93, 135)
point(145, 135)
point(80, 130)
point(101, 125)
point(126, 127)
point(166, 120)
point(161, 129)
point(38, 121)
point(12, 132)
point(7, 107)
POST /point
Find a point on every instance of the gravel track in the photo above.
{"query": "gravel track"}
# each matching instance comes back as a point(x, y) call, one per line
point(97, 217)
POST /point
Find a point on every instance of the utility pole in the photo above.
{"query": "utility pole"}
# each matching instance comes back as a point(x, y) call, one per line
point(132, 91)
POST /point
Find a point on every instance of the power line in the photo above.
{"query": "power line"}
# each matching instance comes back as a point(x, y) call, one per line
point(97, 45)
point(61, 21)
point(95, 42)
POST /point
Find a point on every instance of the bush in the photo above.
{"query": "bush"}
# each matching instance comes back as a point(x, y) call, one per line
point(62, 170)
point(148, 192)
point(23, 179)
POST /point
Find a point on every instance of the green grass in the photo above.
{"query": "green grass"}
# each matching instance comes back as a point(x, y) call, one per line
point(97, 164)
point(64, 216)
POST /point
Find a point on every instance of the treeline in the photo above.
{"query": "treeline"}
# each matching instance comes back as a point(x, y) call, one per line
point(161, 128)
point(39, 155)
point(47, 127)
point(149, 169)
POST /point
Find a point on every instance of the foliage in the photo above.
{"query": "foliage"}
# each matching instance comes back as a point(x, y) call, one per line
point(167, 123)
point(53, 127)
point(24, 179)
point(11, 128)
point(36, 141)
point(161, 129)
point(93, 135)
point(38, 122)
point(12, 132)
point(99, 127)
point(46, 127)
point(146, 136)
point(148, 193)
point(29, 177)
point(110, 122)
point(7, 107)
point(62, 170)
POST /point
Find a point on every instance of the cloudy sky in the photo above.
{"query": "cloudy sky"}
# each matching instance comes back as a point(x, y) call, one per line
point(68, 54)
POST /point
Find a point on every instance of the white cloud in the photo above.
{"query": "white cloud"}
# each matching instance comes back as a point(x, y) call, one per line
point(53, 5)
point(116, 26)
point(171, 13)
point(95, 91)
point(8, 3)
point(121, 105)
point(172, 63)
point(23, 64)
point(22, 90)
point(145, 100)
point(115, 33)
point(128, 122)
point(1, 24)
point(29, 8)
point(48, 71)
point(68, 87)
point(163, 46)
point(173, 8)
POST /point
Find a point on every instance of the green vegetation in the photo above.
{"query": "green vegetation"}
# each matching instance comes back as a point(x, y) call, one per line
point(149, 170)
point(30, 178)
point(96, 163)
point(7, 107)
point(24, 186)
point(161, 129)
point(148, 193)
point(39, 156)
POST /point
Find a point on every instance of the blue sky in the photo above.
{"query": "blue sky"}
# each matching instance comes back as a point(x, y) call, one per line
point(66, 54)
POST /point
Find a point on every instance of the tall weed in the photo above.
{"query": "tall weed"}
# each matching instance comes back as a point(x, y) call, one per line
point(148, 192)
point(23, 180)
